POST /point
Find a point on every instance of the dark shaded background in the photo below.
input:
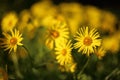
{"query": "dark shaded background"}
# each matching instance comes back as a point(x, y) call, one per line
point(104, 4)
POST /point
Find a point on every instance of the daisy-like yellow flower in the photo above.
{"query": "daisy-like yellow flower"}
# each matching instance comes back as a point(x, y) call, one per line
point(11, 41)
point(100, 52)
point(63, 52)
point(56, 33)
point(87, 40)
point(9, 21)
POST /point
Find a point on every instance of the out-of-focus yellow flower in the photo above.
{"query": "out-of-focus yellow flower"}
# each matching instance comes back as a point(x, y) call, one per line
point(28, 24)
point(108, 22)
point(93, 16)
point(25, 15)
point(9, 21)
point(25, 18)
point(100, 52)
point(42, 9)
point(63, 52)
point(73, 13)
point(111, 43)
point(87, 40)
point(71, 67)
point(36, 22)
point(30, 30)
point(11, 41)
point(56, 33)
point(48, 21)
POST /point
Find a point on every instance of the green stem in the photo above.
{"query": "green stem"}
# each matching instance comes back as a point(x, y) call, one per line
point(29, 55)
point(16, 65)
point(112, 73)
point(81, 71)
point(74, 76)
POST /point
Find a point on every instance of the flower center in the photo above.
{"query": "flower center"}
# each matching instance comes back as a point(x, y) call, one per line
point(87, 41)
point(55, 34)
point(10, 23)
point(64, 52)
point(13, 41)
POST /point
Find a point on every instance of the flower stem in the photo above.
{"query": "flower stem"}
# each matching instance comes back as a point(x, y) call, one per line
point(29, 55)
point(74, 76)
point(113, 72)
point(81, 71)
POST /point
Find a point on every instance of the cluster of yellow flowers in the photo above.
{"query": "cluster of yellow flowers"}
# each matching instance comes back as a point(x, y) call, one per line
point(64, 28)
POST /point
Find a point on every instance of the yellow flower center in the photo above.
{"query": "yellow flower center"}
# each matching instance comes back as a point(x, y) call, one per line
point(55, 34)
point(13, 41)
point(87, 41)
point(64, 52)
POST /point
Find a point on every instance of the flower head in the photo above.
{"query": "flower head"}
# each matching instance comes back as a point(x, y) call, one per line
point(11, 41)
point(9, 21)
point(87, 40)
point(100, 52)
point(56, 33)
point(63, 52)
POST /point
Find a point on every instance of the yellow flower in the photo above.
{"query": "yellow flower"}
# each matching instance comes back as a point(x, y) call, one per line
point(48, 21)
point(63, 52)
point(11, 41)
point(28, 24)
point(111, 43)
point(73, 13)
point(93, 16)
point(56, 33)
point(42, 9)
point(9, 21)
point(71, 67)
point(109, 21)
point(100, 52)
point(25, 18)
point(87, 40)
